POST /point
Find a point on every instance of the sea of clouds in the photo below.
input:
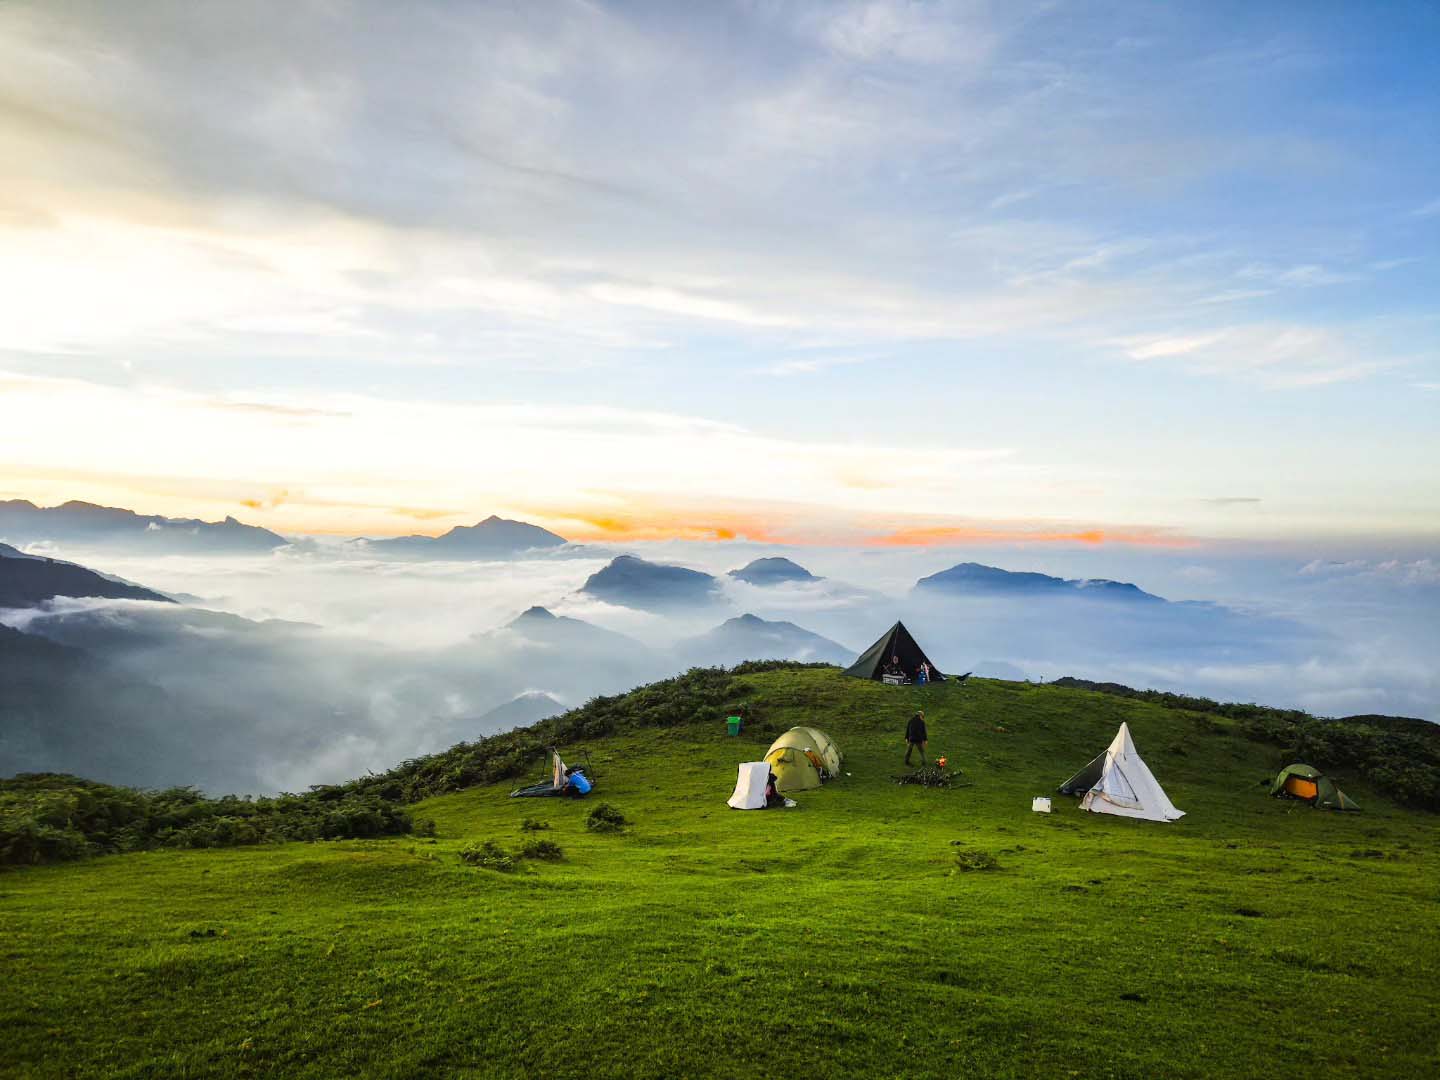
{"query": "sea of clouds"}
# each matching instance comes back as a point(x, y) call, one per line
point(319, 662)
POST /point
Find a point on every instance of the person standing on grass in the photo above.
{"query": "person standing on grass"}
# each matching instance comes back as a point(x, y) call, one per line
point(916, 736)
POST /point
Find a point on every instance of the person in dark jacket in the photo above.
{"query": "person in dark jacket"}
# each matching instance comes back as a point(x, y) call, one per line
point(916, 737)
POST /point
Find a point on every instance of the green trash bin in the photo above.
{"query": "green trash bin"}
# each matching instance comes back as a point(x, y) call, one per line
point(733, 724)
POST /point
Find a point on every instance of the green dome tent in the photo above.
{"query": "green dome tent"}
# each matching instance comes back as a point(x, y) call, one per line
point(1309, 784)
point(802, 758)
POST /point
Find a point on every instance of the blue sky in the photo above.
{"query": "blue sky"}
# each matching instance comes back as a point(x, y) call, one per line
point(808, 271)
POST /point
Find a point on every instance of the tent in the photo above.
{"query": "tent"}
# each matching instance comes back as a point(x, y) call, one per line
point(1119, 782)
point(554, 787)
point(894, 643)
point(798, 759)
point(1309, 784)
point(750, 786)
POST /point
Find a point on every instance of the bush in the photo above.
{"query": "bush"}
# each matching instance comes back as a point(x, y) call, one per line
point(970, 859)
point(541, 849)
point(531, 824)
point(605, 818)
point(50, 817)
point(488, 854)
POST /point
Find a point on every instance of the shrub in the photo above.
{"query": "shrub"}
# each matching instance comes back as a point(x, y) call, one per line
point(541, 849)
point(605, 818)
point(488, 854)
point(50, 817)
point(971, 859)
point(531, 824)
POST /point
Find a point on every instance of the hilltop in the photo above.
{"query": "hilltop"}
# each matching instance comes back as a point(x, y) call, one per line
point(850, 936)
point(772, 571)
point(27, 580)
point(493, 538)
point(634, 582)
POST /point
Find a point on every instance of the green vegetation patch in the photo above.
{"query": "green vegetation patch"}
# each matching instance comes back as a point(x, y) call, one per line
point(838, 938)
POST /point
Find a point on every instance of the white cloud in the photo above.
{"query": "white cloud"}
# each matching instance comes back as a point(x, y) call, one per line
point(810, 366)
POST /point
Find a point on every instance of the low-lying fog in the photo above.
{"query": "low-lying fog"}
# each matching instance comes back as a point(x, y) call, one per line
point(313, 665)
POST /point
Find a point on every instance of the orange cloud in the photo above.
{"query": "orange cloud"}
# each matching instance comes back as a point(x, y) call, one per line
point(932, 536)
point(662, 526)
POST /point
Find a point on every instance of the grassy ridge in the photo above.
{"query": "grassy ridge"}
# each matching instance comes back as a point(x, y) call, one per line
point(840, 938)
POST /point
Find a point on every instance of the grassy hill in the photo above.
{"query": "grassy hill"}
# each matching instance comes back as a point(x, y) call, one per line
point(844, 937)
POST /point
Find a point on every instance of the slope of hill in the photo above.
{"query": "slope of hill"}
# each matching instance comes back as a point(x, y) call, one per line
point(62, 704)
point(88, 525)
point(26, 580)
point(876, 929)
point(635, 582)
point(977, 579)
point(749, 637)
point(772, 571)
point(493, 538)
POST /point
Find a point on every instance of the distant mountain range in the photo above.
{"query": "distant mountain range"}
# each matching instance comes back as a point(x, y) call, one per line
point(976, 579)
point(748, 637)
point(28, 580)
point(772, 571)
point(87, 525)
point(493, 538)
point(634, 582)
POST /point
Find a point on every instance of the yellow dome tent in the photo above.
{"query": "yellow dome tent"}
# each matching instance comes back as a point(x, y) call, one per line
point(802, 758)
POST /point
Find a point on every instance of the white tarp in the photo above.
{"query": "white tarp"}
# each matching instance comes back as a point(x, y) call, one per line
point(1126, 785)
point(750, 786)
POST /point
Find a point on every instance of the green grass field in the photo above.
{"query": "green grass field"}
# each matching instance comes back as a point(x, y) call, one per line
point(841, 938)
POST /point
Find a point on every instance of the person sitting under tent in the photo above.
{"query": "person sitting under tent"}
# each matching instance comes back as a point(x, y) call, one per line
point(577, 785)
point(773, 798)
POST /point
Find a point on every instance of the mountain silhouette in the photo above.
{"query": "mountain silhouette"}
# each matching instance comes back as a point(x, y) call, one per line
point(28, 580)
point(772, 571)
point(977, 579)
point(88, 525)
point(634, 582)
point(493, 538)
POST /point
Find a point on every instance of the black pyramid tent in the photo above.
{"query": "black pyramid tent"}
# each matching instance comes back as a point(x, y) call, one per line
point(895, 642)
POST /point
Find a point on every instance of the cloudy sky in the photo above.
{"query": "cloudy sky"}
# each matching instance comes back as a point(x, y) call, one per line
point(878, 272)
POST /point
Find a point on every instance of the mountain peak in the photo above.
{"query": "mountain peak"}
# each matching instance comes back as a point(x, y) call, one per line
point(635, 582)
point(772, 570)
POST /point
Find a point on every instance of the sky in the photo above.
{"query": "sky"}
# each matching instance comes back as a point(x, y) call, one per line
point(887, 273)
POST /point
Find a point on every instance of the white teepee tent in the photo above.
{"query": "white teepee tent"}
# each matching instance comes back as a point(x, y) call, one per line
point(750, 786)
point(1119, 782)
